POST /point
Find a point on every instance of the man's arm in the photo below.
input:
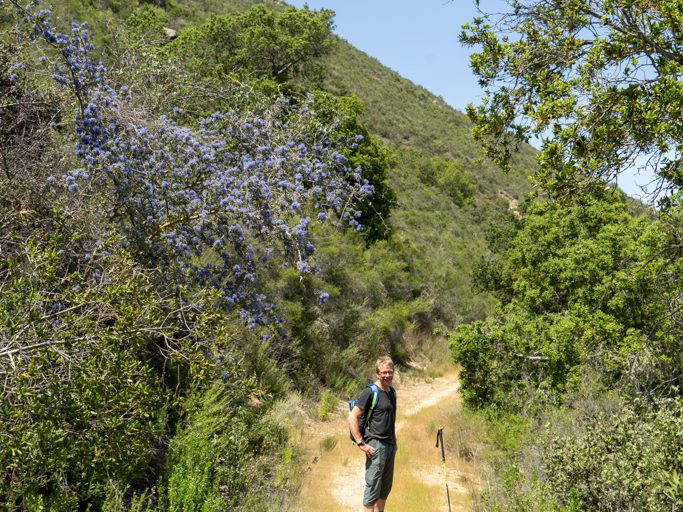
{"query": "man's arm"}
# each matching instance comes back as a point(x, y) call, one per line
point(353, 418)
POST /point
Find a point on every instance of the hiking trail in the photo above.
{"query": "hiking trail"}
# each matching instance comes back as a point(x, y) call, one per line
point(334, 480)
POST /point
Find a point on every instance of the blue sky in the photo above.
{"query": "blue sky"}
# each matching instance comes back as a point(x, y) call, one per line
point(419, 40)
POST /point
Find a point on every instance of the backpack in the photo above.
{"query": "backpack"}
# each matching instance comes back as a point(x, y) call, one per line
point(366, 418)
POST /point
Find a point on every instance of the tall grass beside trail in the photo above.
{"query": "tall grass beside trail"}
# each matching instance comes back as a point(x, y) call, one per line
point(232, 451)
point(420, 479)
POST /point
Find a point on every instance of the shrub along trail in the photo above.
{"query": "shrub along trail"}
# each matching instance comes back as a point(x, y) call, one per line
point(334, 481)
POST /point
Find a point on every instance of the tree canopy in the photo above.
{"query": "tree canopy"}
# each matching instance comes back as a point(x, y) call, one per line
point(257, 46)
point(597, 81)
point(581, 287)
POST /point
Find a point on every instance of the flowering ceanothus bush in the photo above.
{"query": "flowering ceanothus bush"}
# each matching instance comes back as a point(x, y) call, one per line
point(208, 205)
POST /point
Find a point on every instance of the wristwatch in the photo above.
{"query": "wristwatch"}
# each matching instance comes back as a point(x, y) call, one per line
point(361, 443)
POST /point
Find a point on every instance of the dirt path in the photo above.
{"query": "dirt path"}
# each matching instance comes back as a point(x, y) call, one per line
point(335, 479)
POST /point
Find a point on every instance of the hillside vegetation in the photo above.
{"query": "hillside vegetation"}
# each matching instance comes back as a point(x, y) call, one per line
point(200, 225)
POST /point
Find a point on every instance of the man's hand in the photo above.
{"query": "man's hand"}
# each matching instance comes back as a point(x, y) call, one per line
point(369, 450)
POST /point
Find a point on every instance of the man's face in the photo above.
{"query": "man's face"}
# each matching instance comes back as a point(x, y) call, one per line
point(386, 374)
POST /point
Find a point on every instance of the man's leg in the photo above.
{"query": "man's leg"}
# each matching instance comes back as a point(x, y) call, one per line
point(374, 468)
point(387, 478)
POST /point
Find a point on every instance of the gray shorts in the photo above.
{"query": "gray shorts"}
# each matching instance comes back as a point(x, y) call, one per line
point(379, 472)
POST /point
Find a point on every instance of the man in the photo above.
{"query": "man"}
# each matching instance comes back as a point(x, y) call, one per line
point(379, 441)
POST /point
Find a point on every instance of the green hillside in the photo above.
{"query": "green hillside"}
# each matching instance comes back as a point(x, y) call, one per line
point(447, 237)
point(442, 239)
point(406, 115)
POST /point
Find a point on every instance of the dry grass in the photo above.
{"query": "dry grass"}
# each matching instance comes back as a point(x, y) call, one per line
point(420, 483)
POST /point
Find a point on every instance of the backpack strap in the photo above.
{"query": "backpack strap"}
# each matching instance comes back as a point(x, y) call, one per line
point(373, 404)
point(392, 397)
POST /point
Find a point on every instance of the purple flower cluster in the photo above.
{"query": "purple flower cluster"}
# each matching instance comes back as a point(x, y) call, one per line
point(208, 205)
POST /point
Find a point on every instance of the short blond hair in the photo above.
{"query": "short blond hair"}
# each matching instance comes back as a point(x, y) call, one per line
point(382, 361)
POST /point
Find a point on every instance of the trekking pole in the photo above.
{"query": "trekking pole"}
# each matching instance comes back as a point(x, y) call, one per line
point(439, 438)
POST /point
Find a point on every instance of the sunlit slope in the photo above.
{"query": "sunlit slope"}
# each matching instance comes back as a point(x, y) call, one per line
point(441, 238)
point(445, 238)
point(407, 115)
